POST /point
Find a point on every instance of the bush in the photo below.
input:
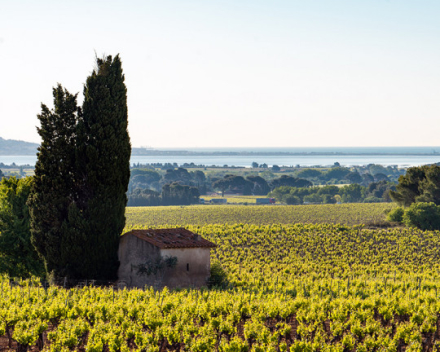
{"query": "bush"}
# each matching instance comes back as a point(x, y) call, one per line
point(328, 199)
point(312, 198)
point(292, 200)
point(218, 276)
point(373, 200)
point(396, 215)
point(425, 216)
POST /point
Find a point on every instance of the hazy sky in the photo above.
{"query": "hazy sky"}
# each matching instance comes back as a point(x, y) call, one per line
point(234, 73)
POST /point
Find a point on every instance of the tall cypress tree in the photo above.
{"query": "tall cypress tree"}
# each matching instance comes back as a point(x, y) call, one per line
point(78, 200)
point(103, 164)
point(53, 191)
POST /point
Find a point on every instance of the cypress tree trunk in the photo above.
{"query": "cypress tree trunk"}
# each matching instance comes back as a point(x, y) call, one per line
point(103, 164)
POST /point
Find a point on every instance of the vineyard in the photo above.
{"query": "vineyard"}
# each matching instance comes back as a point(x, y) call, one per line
point(349, 214)
point(291, 287)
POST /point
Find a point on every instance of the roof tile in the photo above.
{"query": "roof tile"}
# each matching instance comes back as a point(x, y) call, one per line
point(172, 238)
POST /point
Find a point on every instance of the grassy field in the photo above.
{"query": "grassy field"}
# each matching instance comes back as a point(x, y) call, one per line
point(349, 214)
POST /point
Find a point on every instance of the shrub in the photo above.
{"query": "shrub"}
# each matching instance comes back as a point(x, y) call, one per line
point(292, 200)
point(396, 215)
point(425, 216)
point(373, 200)
point(218, 276)
point(328, 199)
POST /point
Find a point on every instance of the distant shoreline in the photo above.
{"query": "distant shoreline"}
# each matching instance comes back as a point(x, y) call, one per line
point(190, 153)
point(257, 153)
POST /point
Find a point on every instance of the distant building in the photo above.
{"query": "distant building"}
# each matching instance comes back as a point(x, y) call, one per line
point(265, 200)
point(218, 200)
point(164, 257)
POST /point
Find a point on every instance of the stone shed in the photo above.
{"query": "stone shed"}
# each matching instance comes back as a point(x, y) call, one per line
point(164, 257)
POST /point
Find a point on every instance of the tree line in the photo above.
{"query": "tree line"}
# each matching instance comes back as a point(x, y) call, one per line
point(151, 186)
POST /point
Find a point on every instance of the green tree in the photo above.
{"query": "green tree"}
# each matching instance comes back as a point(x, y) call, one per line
point(352, 193)
point(1, 174)
point(81, 177)
point(222, 184)
point(309, 173)
point(177, 194)
point(53, 196)
point(354, 177)
point(285, 180)
point(103, 164)
point(425, 216)
point(419, 184)
point(143, 197)
point(260, 186)
point(338, 173)
point(18, 257)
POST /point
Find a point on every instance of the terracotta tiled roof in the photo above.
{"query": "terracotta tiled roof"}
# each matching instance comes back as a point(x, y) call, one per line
point(171, 238)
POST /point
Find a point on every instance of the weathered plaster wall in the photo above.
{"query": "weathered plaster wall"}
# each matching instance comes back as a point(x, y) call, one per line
point(192, 270)
point(193, 267)
point(134, 251)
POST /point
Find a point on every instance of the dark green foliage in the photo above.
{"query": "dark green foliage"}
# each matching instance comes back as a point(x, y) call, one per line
point(425, 216)
point(53, 197)
point(260, 186)
point(81, 177)
point(312, 198)
point(367, 179)
point(1, 174)
point(373, 199)
point(180, 174)
point(354, 177)
point(222, 185)
point(177, 194)
point(289, 181)
point(309, 173)
point(103, 164)
point(292, 200)
point(420, 184)
point(380, 177)
point(379, 190)
point(198, 177)
point(328, 199)
point(396, 215)
point(330, 190)
point(235, 183)
point(148, 175)
point(18, 258)
point(338, 173)
point(377, 169)
point(352, 193)
point(218, 277)
point(143, 198)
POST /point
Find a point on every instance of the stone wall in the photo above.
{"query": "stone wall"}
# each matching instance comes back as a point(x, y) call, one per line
point(193, 267)
point(134, 251)
point(192, 270)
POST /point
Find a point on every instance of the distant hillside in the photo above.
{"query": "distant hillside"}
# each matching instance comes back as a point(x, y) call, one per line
point(14, 147)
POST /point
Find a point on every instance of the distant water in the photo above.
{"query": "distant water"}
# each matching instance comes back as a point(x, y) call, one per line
point(401, 156)
point(322, 150)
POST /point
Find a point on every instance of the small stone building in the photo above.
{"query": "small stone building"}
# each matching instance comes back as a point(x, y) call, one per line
point(145, 257)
